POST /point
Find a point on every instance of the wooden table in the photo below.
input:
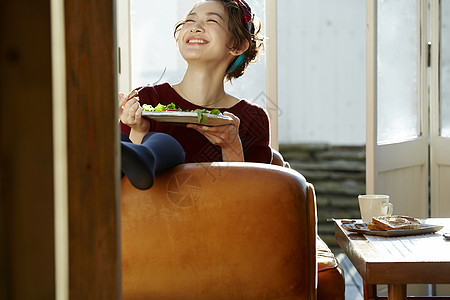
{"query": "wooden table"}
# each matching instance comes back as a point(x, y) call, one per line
point(398, 261)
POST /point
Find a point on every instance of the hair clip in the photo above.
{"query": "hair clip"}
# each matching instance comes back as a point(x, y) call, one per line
point(245, 9)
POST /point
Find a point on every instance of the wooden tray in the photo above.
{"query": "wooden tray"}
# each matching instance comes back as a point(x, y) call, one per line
point(362, 228)
point(179, 117)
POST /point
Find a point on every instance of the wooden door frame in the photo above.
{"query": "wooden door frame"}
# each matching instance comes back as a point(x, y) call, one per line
point(92, 139)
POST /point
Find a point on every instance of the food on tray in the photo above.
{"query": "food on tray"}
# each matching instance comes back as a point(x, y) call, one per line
point(393, 223)
point(373, 226)
point(202, 114)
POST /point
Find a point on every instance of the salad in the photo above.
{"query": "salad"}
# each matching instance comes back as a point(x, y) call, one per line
point(201, 113)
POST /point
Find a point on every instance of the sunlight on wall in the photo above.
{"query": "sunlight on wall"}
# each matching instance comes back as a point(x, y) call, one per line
point(321, 65)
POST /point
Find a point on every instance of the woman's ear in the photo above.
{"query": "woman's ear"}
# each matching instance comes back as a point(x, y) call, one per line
point(242, 49)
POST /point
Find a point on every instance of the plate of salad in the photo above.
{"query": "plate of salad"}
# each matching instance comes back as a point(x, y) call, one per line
point(171, 114)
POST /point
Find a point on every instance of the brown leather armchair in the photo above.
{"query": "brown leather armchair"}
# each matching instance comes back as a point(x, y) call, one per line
point(223, 231)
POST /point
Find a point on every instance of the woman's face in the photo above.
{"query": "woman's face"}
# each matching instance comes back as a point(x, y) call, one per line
point(205, 37)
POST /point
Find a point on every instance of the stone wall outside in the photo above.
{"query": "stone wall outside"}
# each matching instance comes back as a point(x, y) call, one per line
point(338, 176)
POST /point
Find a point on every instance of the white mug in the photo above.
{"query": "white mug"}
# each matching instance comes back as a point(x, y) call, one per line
point(374, 206)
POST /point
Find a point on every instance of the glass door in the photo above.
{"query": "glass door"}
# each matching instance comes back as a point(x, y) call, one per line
point(397, 71)
point(397, 138)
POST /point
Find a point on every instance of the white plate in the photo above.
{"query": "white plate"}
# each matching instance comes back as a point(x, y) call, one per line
point(181, 117)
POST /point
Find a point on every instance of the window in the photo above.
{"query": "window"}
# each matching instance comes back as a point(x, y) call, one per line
point(398, 52)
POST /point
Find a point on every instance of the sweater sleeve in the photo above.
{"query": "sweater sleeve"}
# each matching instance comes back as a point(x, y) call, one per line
point(255, 134)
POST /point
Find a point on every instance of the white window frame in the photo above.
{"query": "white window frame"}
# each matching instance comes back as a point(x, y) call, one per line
point(439, 145)
point(123, 45)
point(272, 68)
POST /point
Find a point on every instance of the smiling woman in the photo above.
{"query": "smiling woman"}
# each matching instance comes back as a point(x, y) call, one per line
point(153, 48)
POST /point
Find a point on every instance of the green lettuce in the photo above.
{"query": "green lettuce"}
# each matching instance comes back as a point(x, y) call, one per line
point(201, 113)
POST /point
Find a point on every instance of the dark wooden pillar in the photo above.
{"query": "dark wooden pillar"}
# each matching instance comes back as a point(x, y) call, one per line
point(94, 257)
point(26, 152)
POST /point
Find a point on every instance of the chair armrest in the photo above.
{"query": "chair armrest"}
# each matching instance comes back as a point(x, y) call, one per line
point(278, 160)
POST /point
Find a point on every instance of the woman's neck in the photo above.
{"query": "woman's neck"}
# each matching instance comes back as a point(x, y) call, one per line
point(203, 88)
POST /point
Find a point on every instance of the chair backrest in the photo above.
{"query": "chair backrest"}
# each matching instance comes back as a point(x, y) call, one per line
point(220, 231)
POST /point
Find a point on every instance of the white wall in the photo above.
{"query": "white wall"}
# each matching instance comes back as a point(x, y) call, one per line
point(321, 48)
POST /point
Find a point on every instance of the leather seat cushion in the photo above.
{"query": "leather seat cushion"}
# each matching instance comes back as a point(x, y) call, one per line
point(331, 282)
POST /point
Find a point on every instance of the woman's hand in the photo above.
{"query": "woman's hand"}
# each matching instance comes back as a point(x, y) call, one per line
point(130, 113)
point(226, 136)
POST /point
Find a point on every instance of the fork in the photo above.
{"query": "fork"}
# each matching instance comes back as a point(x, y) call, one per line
point(135, 92)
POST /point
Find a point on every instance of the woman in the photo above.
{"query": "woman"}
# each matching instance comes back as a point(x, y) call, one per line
point(218, 40)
